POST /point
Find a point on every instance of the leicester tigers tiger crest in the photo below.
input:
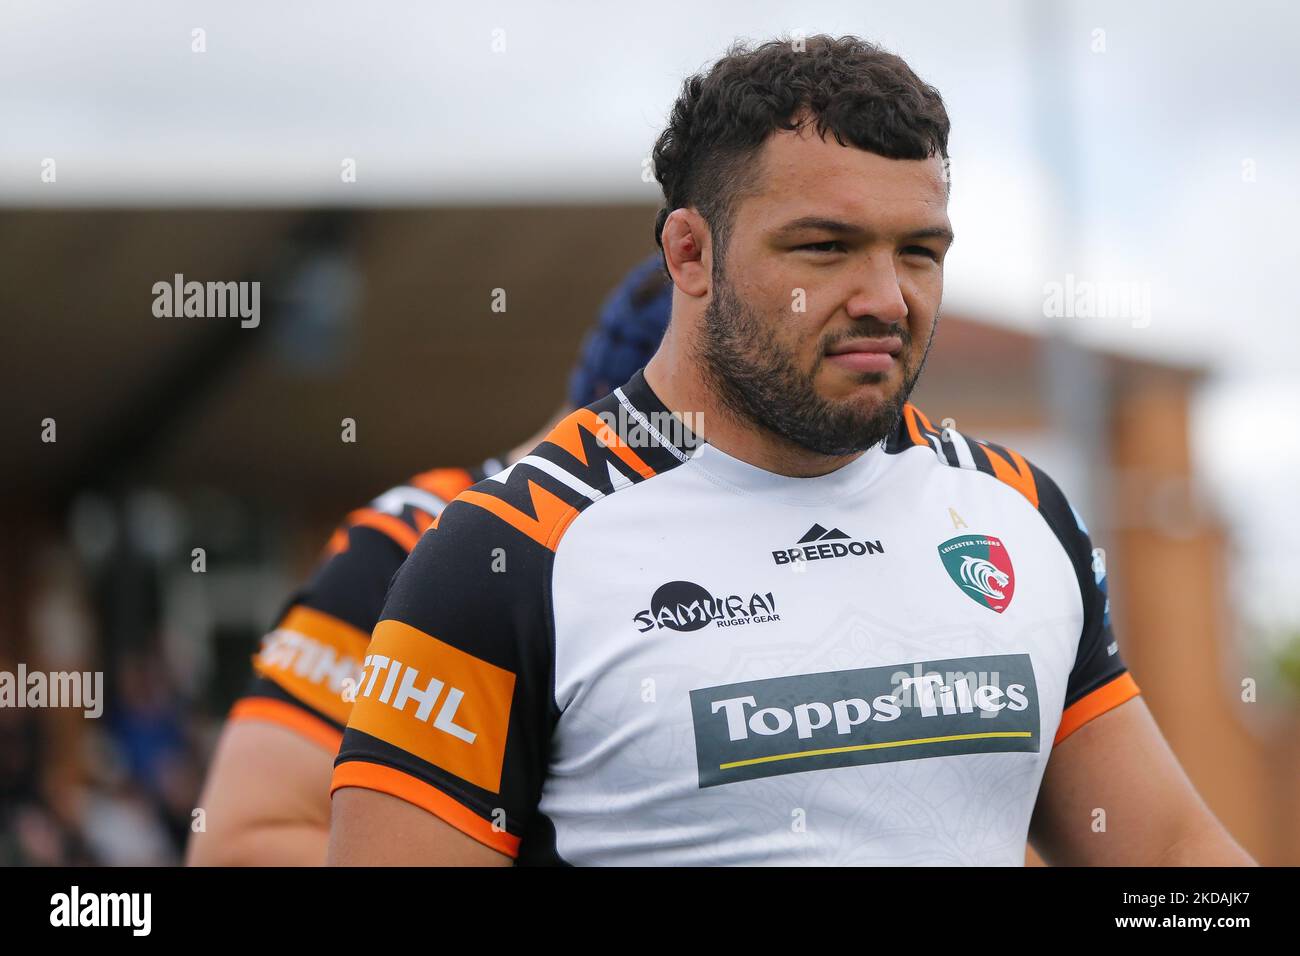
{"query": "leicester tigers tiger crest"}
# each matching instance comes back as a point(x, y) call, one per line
point(980, 566)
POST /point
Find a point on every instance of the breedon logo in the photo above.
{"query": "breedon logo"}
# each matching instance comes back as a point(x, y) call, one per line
point(980, 566)
point(686, 606)
point(819, 543)
point(872, 715)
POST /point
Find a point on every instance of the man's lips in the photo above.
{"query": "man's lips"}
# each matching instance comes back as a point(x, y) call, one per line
point(891, 344)
point(866, 355)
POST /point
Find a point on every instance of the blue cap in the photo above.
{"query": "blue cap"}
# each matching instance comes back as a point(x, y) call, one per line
point(628, 330)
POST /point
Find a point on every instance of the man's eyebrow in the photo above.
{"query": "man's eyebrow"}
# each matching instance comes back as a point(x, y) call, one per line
point(822, 224)
point(932, 232)
point(807, 223)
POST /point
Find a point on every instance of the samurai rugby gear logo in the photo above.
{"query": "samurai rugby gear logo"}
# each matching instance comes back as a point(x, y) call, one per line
point(980, 566)
point(686, 606)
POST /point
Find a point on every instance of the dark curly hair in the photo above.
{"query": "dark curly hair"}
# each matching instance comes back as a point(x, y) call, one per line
point(861, 94)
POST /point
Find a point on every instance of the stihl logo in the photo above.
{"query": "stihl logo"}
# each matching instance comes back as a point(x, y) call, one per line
point(400, 688)
point(309, 659)
point(818, 543)
point(415, 684)
point(314, 656)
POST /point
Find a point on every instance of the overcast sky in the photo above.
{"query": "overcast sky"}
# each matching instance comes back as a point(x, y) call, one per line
point(1139, 143)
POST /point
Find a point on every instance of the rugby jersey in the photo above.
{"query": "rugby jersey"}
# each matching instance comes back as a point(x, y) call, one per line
point(633, 648)
point(310, 659)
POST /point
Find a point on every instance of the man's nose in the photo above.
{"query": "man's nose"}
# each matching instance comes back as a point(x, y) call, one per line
point(878, 294)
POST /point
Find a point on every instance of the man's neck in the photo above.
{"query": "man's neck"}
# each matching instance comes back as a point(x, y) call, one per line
point(681, 386)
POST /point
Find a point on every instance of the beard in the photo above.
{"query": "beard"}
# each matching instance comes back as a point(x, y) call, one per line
point(759, 380)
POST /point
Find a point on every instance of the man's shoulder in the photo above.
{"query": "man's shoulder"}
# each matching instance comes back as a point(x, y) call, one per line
point(590, 455)
point(406, 510)
point(951, 447)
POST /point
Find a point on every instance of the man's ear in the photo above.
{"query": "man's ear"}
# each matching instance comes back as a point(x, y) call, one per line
point(688, 250)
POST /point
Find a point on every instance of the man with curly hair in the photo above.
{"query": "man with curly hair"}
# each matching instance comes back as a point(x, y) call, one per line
point(810, 628)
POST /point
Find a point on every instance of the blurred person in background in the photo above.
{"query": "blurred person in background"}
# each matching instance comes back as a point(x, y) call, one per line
point(116, 791)
point(266, 800)
point(32, 832)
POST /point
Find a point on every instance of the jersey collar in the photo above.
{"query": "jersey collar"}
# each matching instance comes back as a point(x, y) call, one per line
point(742, 477)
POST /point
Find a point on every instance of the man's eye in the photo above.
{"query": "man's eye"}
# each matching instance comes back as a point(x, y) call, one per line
point(830, 245)
point(923, 250)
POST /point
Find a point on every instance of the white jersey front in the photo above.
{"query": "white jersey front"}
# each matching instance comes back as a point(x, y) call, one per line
point(629, 649)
